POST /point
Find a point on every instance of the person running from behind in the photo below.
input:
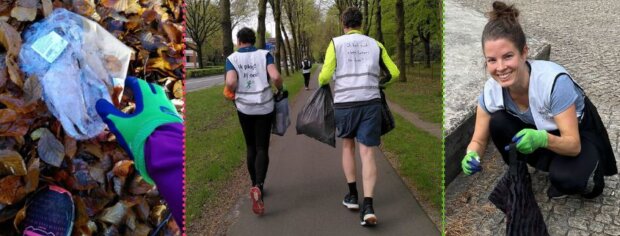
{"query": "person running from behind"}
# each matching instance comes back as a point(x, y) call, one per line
point(306, 65)
point(247, 74)
point(355, 61)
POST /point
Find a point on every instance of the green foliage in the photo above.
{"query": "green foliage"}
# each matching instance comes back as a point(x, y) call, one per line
point(215, 70)
point(421, 94)
point(210, 120)
point(419, 159)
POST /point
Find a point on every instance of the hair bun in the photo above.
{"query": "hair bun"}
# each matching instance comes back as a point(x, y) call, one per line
point(501, 11)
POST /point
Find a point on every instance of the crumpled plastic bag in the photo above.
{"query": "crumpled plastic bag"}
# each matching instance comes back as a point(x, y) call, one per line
point(316, 119)
point(77, 63)
point(281, 120)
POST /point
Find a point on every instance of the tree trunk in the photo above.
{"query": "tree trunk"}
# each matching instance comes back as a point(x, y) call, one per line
point(379, 36)
point(400, 40)
point(292, 13)
point(426, 39)
point(366, 14)
point(411, 51)
point(227, 44)
point(275, 6)
point(370, 15)
point(199, 56)
point(260, 32)
point(289, 53)
point(284, 52)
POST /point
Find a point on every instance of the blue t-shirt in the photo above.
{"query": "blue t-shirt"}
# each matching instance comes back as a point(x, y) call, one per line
point(565, 93)
point(229, 66)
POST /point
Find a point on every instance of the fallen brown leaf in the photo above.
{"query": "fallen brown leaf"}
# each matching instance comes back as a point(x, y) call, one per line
point(10, 190)
point(12, 42)
point(11, 163)
point(50, 150)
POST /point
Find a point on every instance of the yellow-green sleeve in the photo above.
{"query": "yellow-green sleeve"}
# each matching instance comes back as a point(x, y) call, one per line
point(329, 66)
point(389, 64)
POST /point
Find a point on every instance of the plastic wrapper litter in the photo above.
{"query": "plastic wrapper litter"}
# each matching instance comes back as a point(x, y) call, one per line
point(77, 63)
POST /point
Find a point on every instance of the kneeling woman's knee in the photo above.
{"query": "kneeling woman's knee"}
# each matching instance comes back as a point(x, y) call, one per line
point(567, 181)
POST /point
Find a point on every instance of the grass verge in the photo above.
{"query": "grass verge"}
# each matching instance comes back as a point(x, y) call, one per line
point(421, 94)
point(214, 143)
point(419, 159)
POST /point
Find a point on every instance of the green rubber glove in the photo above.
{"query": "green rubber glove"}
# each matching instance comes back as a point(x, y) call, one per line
point(471, 163)
point(153, 109)
point(528, 140)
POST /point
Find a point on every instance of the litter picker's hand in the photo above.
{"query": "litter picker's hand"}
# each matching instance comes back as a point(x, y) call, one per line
point(471, 163)
point(228, 94)
point(153, 109)
point(528, 140)
point(281, 94)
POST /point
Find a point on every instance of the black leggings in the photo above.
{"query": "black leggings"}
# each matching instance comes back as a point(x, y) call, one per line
point(306, 79)
point(257, 131)
point(567, 174)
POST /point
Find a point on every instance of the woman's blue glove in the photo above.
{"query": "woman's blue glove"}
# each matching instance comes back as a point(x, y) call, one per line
point(471, 163)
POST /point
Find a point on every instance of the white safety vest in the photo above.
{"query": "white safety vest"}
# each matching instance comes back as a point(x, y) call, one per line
point(357, 68)
point(253, 95)
point(542, 79)
point(304, 63)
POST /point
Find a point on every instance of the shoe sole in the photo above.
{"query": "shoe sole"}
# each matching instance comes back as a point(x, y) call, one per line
point(559, 197)
point(258, 206)
point(351, 206)
point(369, 220)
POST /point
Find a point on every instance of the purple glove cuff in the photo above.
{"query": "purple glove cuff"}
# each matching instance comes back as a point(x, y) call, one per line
point(163, 153)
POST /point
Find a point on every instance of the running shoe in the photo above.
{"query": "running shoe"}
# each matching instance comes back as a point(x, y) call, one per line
point(50, 212)
point(367, 216)
point(350, 201)
point(258, 206)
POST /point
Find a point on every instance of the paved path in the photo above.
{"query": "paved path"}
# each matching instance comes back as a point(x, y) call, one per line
point(195, 84)
point(305, 186)
point(584, 38)
point(431, 128)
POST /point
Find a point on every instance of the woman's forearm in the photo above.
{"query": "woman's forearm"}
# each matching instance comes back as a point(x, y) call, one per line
point(564, 145)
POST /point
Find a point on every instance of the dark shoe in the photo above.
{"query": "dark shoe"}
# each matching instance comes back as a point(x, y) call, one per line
point(367, 216)
point(50, 212)
point(258, 207)
point(350, 201)
point(554, 193)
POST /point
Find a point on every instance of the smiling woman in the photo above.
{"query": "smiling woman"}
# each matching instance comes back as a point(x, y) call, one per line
point(538, 106)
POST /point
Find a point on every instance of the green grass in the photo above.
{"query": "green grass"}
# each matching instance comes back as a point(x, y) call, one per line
point(419, 157)
point(215, 147)
point(421, 94)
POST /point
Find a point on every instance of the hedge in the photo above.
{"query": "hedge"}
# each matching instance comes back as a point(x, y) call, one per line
point(191, 73)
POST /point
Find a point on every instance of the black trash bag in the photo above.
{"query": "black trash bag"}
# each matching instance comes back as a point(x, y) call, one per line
point(281, 119)
point(387, 120)
point(513, 195)
point(316, 118)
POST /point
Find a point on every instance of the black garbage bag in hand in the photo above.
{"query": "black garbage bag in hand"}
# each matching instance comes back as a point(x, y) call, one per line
point(513, 195)
point(316, 118)
point(387, 120)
